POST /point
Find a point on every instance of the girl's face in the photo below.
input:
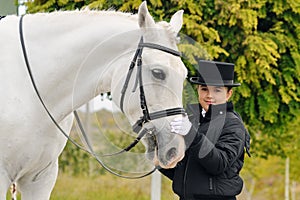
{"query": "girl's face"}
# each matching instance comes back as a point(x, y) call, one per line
point(213, 95)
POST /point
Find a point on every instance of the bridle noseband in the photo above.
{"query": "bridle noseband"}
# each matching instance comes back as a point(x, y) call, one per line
point(137, 60)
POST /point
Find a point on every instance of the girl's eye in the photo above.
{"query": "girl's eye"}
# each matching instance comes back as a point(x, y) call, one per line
point(159, 74)
point(204, 88)
point(218, 90)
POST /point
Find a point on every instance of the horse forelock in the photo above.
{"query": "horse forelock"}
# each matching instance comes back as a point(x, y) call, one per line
point(170, 31)
point(171, 38)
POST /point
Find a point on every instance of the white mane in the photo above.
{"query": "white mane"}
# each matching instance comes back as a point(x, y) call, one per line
point(91, 12)
point(86, 12)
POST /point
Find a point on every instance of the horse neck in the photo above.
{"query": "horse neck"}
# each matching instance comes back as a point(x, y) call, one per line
point(71, 53)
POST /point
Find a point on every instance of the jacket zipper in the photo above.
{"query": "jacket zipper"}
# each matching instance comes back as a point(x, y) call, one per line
point(184, 178)
point(210, 184)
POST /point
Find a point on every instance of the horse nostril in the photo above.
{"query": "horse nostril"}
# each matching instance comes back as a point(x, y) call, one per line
point(171, 153)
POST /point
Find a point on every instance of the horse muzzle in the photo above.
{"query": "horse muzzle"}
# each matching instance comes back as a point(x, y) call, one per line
point(163, 148)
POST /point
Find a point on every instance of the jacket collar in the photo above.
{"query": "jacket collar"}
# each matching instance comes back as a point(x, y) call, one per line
point(212, 112)
point(217, 110)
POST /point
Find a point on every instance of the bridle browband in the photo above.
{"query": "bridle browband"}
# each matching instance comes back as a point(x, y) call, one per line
point(137, 127)
point(137, 61)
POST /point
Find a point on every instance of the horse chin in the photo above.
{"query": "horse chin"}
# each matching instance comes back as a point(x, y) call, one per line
point(168, 156)
point(170, 164)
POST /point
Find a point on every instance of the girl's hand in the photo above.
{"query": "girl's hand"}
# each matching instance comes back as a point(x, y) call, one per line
point(181, 125)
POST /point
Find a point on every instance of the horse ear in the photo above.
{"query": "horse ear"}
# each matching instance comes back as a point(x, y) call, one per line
point(177, 21)
point(145, 19)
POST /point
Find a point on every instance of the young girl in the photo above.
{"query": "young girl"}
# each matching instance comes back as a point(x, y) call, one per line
point(215, 139)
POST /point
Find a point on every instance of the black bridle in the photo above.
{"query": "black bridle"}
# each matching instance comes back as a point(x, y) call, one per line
point(137, 61)
point(137, 127)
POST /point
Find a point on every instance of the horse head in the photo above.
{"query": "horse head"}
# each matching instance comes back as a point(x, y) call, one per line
point(158, 78)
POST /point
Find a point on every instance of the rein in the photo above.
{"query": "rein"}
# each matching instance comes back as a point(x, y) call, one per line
point(75, 114)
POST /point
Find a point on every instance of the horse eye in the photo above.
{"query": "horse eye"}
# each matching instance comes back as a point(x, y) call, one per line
point(159, 74)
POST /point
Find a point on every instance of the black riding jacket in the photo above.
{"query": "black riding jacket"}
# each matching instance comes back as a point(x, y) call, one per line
point(214, 155)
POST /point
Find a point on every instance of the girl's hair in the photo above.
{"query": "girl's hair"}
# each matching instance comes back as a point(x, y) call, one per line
point(229, 88)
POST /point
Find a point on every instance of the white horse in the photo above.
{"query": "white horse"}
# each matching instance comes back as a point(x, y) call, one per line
point(75, 56)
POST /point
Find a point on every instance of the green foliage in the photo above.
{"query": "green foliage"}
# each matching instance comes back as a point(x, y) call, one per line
point(74, 161)
point(260, 36)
